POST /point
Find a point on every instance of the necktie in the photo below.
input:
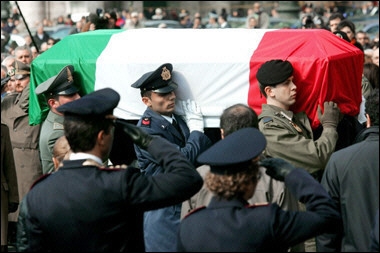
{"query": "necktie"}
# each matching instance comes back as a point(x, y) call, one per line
point(175, 124)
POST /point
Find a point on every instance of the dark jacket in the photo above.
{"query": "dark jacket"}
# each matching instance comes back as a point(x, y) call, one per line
point(160, 231)
point(351, 178)
point(86, 208)
point(235, 226)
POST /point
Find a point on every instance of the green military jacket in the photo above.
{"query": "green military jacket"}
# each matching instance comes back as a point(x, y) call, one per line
point(293, 140)
point(51, 130)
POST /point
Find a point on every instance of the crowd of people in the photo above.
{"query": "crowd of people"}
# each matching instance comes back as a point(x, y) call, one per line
point(267, 183)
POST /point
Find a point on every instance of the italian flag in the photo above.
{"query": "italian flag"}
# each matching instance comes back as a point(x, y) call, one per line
point(215, 67)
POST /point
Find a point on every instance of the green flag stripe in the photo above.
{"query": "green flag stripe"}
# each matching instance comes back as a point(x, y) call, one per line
point(80, 50)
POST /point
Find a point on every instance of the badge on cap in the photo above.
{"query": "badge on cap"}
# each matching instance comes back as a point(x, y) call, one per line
point(165, 74)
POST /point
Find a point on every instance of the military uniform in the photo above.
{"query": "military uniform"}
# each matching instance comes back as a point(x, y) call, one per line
point(85, 207)
point(61, 84)
point(290, 137)
point(232, 225)
point(9, 188)
point(24, 137)
point(160, 226)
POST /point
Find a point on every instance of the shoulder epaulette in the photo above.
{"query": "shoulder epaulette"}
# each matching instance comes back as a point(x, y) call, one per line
point(41, 178)
point(114, 168)
point(57, 126)
point(146, 121)
point(267, 120)
point(258, 204)
point(195, 210)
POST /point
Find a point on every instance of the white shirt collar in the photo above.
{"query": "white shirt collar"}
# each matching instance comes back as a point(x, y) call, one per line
point(81, 156)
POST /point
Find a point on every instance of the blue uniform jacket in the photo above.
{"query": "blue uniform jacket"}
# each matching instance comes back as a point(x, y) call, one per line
point(86, 208)
point(160, 226)
point(234, 226)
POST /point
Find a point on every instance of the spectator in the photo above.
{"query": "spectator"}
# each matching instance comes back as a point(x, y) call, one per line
point(4, 82)
point(24, 138)
point(212, 20)
point(157, 90)
point(375, 56)
point(363, 39)
point(348, 27)
point(134, 22)
point(77, 28)
point(57, 90)
point(9, 190)
point(289, 135)
point(262, 16)
point(109, 203)
point(230, 224)
point(23, 54)
point(197, 23)
point(40, 36)
point(158, 14)
point(351, 177)
point(334, 20)
point(222, 21)
point(371, 72)
point(251, 22)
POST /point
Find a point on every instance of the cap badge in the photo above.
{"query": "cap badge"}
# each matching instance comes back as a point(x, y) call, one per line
point(165, 74)
point(12, 72)
point(69, 76)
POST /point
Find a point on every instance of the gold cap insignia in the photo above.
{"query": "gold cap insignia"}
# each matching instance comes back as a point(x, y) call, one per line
point(69, 76)
point(165, 74)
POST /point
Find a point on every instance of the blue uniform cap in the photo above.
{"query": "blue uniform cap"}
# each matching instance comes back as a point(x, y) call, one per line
point(235, 152)
point(60, 84)
point(96, 104)
point(159, 81)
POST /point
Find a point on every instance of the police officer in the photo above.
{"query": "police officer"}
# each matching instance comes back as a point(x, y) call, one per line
point(230, 224)
point(57, 90)
point(86, 207)
point(157, 90)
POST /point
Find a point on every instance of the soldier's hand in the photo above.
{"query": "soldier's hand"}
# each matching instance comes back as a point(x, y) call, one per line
point(139, 137)
point(12, 207)
point(193, 115)
point(330, 117)
point(277, 168)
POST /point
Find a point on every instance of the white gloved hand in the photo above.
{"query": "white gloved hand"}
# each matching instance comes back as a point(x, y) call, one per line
point(193, 115)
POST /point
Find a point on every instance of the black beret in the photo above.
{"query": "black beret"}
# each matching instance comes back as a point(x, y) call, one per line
point(159, 81)
point(95, 104)
point(235, 152)
point(60, 84)
point(274, 72)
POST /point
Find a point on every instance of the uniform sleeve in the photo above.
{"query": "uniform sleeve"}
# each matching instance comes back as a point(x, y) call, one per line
point(8, 166)
point(297, 149)
point(178, 181)
point(321, 213)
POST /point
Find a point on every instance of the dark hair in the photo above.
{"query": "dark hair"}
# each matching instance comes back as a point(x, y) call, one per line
point(81, 132)
point(236, 117)
point(336, 15)
point(372, 107)
point(345, 23)
point(371, 72)
point(234, 185)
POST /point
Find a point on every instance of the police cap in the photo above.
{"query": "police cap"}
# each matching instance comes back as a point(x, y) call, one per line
point(21, 70)
point(61, 84)
point(159, 81)
point(235, 152)
point(274, 72)
point(95, 104)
